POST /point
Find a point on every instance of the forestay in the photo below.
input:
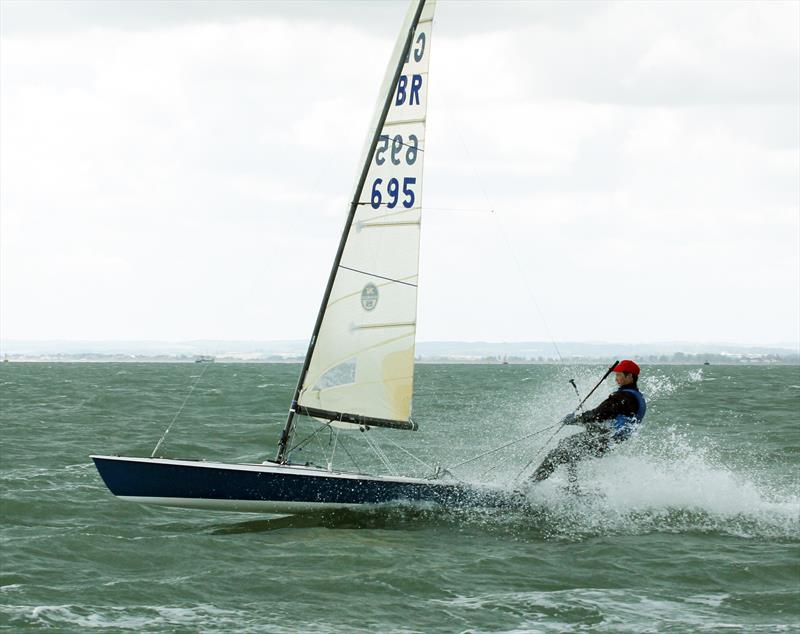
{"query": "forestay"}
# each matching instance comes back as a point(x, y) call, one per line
point(362, 362)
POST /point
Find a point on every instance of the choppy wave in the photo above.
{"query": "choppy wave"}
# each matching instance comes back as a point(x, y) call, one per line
point(675, 488)
point(528, 612)
point(73, 616)
point(691, 526)
point(662, 480)
point(604, 610)
point(669, 479)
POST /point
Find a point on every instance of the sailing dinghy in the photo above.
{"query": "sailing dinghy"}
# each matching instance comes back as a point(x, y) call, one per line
point(359, 368)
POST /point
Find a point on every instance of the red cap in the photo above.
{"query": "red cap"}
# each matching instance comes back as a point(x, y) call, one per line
point(627, 366)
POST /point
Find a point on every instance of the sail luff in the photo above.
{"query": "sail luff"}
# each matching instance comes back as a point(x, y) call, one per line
point(376, 134)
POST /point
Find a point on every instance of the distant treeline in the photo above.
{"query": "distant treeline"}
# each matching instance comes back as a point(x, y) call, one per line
point(678, 358)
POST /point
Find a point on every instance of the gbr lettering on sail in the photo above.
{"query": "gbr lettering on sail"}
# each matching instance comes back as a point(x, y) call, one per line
point(396, 174)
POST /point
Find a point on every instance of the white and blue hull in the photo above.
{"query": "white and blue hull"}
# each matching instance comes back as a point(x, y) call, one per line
point(273, 488)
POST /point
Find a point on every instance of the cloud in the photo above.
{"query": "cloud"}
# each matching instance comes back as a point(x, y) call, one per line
point(60, 16)
point(183, 170)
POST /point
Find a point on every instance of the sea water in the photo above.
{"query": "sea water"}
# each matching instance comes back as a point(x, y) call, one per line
point(690, 526)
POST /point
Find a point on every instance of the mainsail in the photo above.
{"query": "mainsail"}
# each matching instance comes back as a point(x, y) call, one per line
point(359, 367)
point(360, 363)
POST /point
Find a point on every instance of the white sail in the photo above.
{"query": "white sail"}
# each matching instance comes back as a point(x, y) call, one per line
point(362, 361)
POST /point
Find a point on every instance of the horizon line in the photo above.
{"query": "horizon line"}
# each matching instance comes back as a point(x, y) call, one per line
point(792, 344)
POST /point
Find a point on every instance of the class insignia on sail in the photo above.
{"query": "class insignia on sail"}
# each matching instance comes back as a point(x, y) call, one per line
point(369, 297)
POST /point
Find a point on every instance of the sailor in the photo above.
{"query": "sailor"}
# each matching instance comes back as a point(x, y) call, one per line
point(610, 423)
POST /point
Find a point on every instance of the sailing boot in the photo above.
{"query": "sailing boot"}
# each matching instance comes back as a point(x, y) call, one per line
point(572, 478)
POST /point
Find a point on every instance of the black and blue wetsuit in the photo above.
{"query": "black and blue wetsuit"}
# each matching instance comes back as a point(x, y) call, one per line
point(613, 421)
point(623, 409)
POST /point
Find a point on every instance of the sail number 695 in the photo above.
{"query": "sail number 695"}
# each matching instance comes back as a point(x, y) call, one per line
point(393, 192)
point(411, 146)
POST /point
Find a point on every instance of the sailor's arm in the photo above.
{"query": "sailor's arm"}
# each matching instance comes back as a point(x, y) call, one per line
point(614, 405)
point(617, 403)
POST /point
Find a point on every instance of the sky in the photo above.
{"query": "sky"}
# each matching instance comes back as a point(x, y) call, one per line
point(594, 171)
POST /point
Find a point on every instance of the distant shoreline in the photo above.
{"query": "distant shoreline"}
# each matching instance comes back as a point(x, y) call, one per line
point(452, 352)
point(685, 361)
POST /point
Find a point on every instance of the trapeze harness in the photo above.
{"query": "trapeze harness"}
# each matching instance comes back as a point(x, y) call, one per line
point(625, 425)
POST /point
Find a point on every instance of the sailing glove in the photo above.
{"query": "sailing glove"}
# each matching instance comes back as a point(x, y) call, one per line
point(569, 419)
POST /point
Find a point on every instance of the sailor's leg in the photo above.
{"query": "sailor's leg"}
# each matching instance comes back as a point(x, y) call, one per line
point(572, 478)
point(572, 474)
point(569, 450)
point(591, 445)
point(549, 464)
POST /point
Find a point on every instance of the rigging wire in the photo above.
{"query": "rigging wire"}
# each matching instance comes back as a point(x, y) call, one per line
point(335, 434)
point(541, 450)
point(493, 211)
point(508, 444)
point(178, 413)
point(340, 442)
point(527, 286)
point(308, 438)
point(349, 455)
point(509, 247)
point(562, 423)
point(404, 450)
point(459, 210)
point(425, 208)
point(537, 454)
point(322, 447)
point(380, 453)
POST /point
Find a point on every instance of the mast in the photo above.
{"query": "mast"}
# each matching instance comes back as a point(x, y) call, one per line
point(293, 408)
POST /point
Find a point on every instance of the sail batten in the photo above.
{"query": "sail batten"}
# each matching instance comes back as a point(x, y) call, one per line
point(404, 122)
point(373, 225)
point(380, 277)
point(397, 325)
